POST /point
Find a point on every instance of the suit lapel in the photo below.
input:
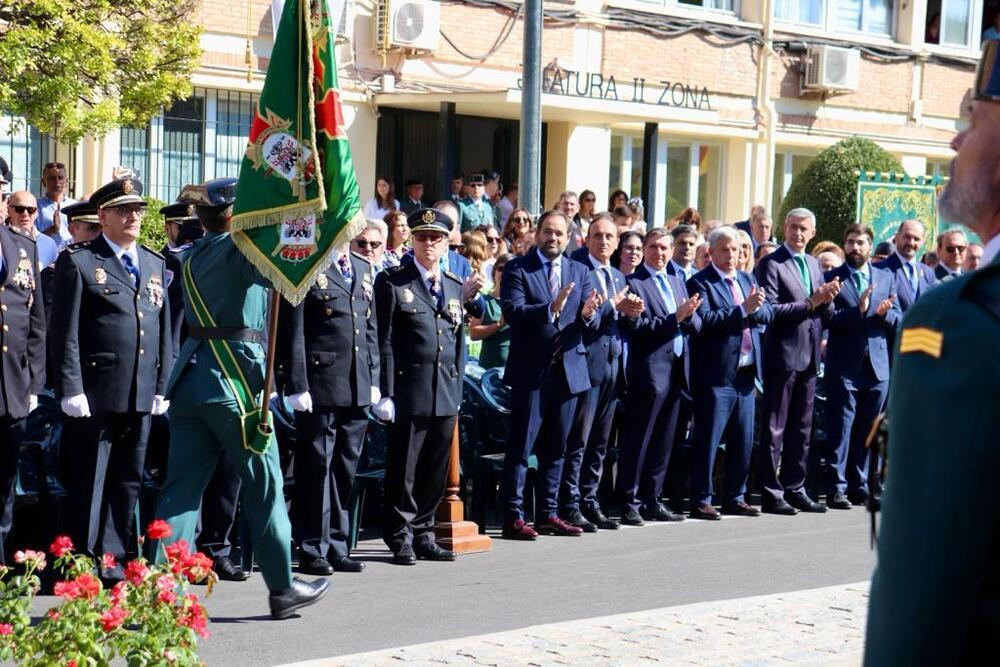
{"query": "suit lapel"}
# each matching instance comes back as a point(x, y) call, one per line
point(337, 278)
point(850, 290)
point(787, 263)
point(721, 287)
point(360, 270)
point(10, 258)
point(537, 272)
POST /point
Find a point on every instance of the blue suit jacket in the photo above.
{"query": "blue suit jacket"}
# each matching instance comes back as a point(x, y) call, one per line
point(792, 340)
point(536, 343)
point(651, 350)
point(857, 339)
point(904, 291)
point(715, 351)
point(598, 340)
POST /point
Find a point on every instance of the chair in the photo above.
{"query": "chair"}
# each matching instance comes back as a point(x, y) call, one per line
point(371, 472)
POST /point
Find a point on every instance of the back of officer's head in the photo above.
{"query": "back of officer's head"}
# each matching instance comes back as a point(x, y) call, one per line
point(215, 218)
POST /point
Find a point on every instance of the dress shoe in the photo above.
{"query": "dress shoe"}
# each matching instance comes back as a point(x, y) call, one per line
point(740, 509)
point(706, 512)
point(659, 513)
point(433, 552)
point(598, 518)
point(518, 530)
point(404, 556)
point(316, 566)
point(804, 503)
point(632, 518)
point(857, 498)
point(838, 502)
point(345, 564)
point(556, 526)
point(228, 570)
point(777, 506)
point(301, 594)
point(576, 518)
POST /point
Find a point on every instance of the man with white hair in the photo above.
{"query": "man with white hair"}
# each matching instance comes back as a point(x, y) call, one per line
point(726, 352)
point(951, 246)
point(370, 243)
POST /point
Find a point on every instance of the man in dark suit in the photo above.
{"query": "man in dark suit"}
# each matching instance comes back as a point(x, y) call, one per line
point(863, 316)
point(793, 284)
point(22, 359)
point(912, 278)
point(726, 360)
point(413, 201)
point(657, 376)
point(112, 354)
point(421, 365)
point(450, 261)
point(83, 225)
point(951, 247)
point(548, 300)
point(744, 225)
point(328, 347)
point(590, 433)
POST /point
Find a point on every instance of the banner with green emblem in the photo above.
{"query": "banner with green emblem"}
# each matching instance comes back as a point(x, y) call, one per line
point(886, 200)
point(297, 196)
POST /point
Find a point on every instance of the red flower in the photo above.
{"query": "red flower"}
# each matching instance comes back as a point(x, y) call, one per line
point(159, 529)
point(6, 629)
point(118, 593)
point(61, 546)
point(113, 618)
point(71, 663)
point(52, 614)
point(196, 618)
point(167, 586)
point(135, 572)
point(37, 558)
point(89, 586)
point(177, 551)
point(196, 567)
point(69, 590)
point(108, 561)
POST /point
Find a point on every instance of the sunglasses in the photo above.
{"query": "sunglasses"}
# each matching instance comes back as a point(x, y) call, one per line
point(493, 239)
point(364, 243)
point(30, 210)
point(955, 248)
point(521, 219)
point(589, 200)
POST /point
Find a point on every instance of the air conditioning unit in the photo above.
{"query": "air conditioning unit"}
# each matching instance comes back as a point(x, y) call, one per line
point(345, 26)
point(832, 69)
point(407, 24)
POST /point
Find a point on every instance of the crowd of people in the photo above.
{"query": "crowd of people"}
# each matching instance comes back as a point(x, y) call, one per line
point(610, 331)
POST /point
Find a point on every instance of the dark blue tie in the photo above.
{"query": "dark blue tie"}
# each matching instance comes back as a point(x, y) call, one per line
point(610, 291)
point(132, 269)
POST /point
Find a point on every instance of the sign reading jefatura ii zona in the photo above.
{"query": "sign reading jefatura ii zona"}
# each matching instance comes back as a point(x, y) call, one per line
point(593, 85)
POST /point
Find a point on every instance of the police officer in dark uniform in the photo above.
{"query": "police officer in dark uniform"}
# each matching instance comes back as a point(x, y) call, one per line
point(329, 350)
point(83, 225)
point(111, 353)
point(422, 360)
point(22, 358)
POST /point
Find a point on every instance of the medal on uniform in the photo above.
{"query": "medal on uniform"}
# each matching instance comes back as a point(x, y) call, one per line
point(21, 252)
point(366, 286)
point(455, 311)
point(406, 296)
point(100, 275)
point(322, 281)
point(154, 288)
point(23, 277)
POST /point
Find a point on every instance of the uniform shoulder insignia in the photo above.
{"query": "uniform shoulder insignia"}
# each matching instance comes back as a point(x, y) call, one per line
point(151, 251)
point(23, 235)
point(394, 269)
point(923, 340)
point(75, 247)
point(451, 275)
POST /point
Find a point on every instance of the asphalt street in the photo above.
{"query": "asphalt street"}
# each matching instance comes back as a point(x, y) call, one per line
point(552, 580)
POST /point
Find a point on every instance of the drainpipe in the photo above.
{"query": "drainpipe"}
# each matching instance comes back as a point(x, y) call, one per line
point(765, 105)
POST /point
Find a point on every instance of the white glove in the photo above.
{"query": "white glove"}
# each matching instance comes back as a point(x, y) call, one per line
point(301, 402)
point(376, 395)
point(160, 405)
point(75, 406)
point(385, 410)
point(32, 402)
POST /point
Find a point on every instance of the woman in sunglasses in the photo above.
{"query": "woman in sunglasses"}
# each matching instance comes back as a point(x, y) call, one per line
point(517, 226)
point(588, 208)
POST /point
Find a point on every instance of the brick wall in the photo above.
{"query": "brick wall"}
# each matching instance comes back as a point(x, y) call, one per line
point(230, 16)
point(885, 87)
point(945, 88)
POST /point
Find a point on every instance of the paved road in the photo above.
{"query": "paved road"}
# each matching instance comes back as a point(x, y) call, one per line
point(548, 581)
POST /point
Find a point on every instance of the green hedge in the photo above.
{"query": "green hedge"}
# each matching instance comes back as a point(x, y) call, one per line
point(829, 188)
point(151, 234)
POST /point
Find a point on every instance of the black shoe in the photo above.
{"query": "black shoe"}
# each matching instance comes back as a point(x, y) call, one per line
point(301, 594)
point(804, 503)
point(345, 564)
point(576, 518)
point(838, 502)
point(598, 518)
point(228, 570)
point(632, 518)
point(705, 512)
point(316, 566)
point(777, 506)
point(404, 556)
point(740, 509)
point(659, 513)
point(857, 498)
point(433, 552)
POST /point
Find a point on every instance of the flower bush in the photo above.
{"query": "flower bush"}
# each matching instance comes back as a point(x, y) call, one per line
point(149, 618)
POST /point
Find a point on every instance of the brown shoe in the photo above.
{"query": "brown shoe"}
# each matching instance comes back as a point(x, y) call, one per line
point(556, 526)
point(740, 509)
point(518, 530)
point(706, 512)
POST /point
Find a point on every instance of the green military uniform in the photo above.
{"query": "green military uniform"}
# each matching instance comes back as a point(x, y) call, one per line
point(204, 418)
point(935, 596)
point(474, 213)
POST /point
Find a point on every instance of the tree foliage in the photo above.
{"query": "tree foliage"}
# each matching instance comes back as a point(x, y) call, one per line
point(74, 68)
point(829, 188)
point(151, 234)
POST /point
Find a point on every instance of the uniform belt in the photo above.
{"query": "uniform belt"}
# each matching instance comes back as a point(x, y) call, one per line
point(226, 333)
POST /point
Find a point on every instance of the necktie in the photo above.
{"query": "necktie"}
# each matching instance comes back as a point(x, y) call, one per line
point(804, 272)
point(553, 280)
point(434, 285)
point(609, 283)
point(671, 303)
point(912, 277)
point(609, 290)
point(746, 344)
point(132, 269)
point(345, 268)
point(860, 281)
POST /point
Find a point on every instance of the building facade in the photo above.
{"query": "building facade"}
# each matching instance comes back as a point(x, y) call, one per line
point(716, 104)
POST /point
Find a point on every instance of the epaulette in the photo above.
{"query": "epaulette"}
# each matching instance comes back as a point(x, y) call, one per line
point(75, 247)
point(151, 251)
point(394, 269)
point(23, 235)
point(361, 257)
point(451, 275)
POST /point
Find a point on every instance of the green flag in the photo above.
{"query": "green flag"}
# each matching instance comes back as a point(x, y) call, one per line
point(297, 196)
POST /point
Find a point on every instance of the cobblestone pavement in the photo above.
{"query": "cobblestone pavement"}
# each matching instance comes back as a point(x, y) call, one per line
point(823, 626)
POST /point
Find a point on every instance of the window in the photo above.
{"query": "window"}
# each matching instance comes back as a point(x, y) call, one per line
point(874, 17)
point(799, 11)
point(786, 167)
point(22, 147)
point(678, 178)
point(709, 180)
point(234, 111)
point(724, 5)
point(951, 23)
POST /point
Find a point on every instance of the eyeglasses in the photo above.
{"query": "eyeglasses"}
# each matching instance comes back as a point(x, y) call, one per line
point(520, 218)
point(30, 210)
point(955, 248)
point(492, 239)
point(365, 243)
point(125, 210)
